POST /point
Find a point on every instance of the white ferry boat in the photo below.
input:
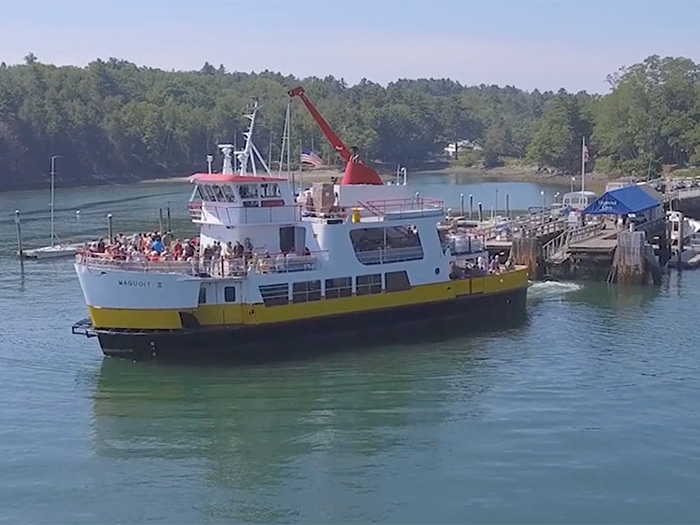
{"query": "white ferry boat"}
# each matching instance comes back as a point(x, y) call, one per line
point(357, 257)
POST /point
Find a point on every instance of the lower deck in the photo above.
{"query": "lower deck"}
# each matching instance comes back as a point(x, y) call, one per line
point(310, 336)
point(294, 304)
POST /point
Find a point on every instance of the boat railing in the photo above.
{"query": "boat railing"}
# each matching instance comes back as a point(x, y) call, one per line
point(390, 255)
point(259, 263)
point(226, 213)
point(412, 205)
point(287, 262)
point(195, 209)
point(140, 263)
point(465, 244)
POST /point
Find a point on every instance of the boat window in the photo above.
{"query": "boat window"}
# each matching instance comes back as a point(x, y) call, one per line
point(397, 281)
point(306, 291)
point(338, 287)
point(368, 284)
point(230, 294)
point(386, 245)
point(228, 193)
point(202, 295)
point(219, 193)
point(205, 192)
point(212, 193)
point(248, 191)
point(269, 191)
point(275, 294)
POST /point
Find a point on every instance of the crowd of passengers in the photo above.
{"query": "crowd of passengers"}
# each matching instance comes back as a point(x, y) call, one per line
point(140, 247)
point(157, 246)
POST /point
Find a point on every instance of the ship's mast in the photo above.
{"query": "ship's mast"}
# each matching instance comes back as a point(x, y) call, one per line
point(286, 145)
point(247, 156)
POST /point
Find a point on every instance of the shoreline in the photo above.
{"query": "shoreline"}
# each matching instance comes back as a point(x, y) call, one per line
point(594, 181)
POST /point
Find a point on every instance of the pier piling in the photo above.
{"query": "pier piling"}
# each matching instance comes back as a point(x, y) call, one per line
point(629, 260)
point(461, 204)
point(20, 251)
point(526, 251)
point(167, 216)
point(481, 212)
point(471, 206)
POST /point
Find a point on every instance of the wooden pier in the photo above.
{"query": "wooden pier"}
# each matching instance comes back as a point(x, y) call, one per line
point(599, 250)
point(602, 251)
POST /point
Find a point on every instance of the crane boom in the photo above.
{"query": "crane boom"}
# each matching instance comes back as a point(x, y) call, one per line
point(335, 141)
point(355, 171)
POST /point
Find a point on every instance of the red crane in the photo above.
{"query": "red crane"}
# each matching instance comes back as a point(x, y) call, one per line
point(355, 171)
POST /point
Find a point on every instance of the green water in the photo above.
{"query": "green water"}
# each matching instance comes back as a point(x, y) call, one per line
point(587, 413)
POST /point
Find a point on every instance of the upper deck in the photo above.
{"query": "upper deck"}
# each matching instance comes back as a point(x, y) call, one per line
point(239, 195)
point(241, 199)
point(366, 203)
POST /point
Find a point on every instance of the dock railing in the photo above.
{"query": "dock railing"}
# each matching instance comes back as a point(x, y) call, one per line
point(535, 225)
point(561, 242)
point(687, 193)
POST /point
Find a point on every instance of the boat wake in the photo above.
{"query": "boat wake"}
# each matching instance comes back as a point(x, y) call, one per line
point(549, 290)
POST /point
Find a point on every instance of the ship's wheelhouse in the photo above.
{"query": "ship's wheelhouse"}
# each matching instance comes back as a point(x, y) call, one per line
point(241, 190)
point(241, 199)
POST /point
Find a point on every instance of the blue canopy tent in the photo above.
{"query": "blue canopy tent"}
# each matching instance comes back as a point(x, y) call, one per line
point(622, 201)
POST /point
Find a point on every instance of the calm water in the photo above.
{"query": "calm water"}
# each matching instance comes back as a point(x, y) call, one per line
point(586, 413)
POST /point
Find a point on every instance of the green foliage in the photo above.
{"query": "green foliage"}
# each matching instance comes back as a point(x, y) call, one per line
point(652, 115)
point(557, 143)
point(470, 159)
point(115, 121)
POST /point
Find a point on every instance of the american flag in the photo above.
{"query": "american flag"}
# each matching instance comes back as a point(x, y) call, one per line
point(584, 153)
point(309, 157)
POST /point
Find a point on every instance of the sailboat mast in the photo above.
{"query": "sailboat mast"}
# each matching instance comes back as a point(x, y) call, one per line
point(53, 174)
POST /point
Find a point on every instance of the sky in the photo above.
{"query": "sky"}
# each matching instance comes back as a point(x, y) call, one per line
point(530, 44)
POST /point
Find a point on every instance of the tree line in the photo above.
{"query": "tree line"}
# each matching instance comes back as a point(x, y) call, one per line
point(114, 121)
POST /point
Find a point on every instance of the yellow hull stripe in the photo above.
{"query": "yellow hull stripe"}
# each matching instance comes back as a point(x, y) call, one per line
point(135, 319)
point(256, 314)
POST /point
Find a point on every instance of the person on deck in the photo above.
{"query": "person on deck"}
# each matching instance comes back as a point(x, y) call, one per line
point(238, 249)
point(157, 246)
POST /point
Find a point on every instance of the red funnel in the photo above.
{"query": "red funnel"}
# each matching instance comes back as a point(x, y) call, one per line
point(356, 173)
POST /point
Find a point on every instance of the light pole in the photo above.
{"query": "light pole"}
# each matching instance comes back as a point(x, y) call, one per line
point(543, 209)
point(210, 158)
point(53, 176)
point(495, 204)
point(556, 196)
point(573, 179)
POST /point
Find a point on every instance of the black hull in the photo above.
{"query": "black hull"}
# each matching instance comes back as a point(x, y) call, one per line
point(316, 336)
